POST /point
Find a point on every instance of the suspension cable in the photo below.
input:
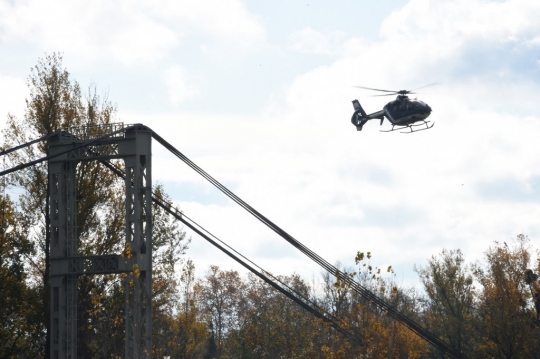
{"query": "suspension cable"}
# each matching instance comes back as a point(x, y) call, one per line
point(302, 301)
point(358, 288)
point(46, 158)
point(266, 276)
point(12, 149)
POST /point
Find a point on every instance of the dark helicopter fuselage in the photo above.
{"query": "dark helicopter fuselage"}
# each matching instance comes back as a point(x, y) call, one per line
point(401, 112)
point(404, 111)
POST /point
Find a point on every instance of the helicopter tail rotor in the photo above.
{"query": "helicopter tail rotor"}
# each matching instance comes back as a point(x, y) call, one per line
point(359, 117)
point(358, 107)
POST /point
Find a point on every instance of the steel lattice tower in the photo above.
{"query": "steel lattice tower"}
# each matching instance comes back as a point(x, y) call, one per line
point(134, 147)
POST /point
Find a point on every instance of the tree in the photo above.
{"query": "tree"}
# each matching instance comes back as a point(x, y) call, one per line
point(20, 325)
point(188, 335)
point(382, 336)
point(53, 104)
point(57, 103)
point(449, 311)
point(506, 307)
point(273, 326)
point(218, 294)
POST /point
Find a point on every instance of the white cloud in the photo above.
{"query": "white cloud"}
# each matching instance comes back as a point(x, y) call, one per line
point(452, 31)
point(291, 166)
point(511, 20)
point(227, 19)
point(130, 32)
point(486, 128)
point(91, 30)
point(180, 85)
point(310, 41)
point(13, 91)
point(403, 197)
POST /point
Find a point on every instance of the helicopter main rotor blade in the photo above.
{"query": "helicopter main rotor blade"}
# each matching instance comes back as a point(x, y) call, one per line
point(421, 87)
point(396, 93)
point(369, 88)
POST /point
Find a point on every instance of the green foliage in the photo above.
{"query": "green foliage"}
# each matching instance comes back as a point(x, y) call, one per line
point(450, 301)
point(20, 323)
point(506, 310)
point(487, 309)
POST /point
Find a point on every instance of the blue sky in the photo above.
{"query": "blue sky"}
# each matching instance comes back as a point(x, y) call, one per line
point(259, 95)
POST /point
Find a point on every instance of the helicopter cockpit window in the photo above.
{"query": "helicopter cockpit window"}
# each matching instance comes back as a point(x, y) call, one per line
point(402, 105)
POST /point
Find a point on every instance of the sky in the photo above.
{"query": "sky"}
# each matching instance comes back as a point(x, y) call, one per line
point(258, 93)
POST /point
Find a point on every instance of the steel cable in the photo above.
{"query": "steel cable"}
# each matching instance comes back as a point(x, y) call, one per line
point(374, 299)
point(46, 158)
point(286, 290)
point(266, 276)
point(12, 149)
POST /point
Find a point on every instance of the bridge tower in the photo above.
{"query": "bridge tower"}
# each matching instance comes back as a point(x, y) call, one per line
point(66, 265)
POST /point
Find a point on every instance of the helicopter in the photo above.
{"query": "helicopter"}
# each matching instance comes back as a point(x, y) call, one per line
point(403, 113)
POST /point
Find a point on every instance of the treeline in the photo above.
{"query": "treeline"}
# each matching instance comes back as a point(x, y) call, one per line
point(488, 309)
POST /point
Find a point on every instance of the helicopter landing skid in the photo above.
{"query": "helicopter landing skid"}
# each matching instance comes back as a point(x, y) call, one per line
point(410, 127)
